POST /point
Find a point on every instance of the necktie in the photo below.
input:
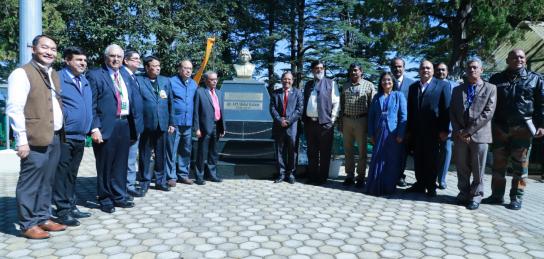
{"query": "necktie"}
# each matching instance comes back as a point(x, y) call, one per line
point(471, 92)
point(285, 100)
point(215, 102)
point(78, 83)
point(117, 95)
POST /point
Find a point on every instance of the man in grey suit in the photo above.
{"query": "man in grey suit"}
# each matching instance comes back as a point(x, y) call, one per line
point(286, 108)
point(403, 85)
point(472, 107)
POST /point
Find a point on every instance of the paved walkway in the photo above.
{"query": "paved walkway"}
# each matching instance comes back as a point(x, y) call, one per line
point(244, 218)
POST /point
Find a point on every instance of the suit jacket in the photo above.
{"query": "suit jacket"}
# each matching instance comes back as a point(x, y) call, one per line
point(396, 114)
point(404, 87)
point(204, 113)
point(292, 113)
point(157, 106)
point(476, 120)
point(105, 103)
point(428, 114)
point(138, 105)
point(76, 105)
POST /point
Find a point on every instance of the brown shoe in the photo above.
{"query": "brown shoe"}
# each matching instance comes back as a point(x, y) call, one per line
point(52, 226)
point(186, 181)
point(35, 232)
point(172, 183)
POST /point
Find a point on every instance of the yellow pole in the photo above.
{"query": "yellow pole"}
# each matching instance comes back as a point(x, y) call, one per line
point(209, 45)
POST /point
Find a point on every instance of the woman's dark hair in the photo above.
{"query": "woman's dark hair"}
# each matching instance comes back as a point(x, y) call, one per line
point(395, 82)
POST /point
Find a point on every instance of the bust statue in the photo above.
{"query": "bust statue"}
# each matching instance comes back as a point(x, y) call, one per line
point(244, 69)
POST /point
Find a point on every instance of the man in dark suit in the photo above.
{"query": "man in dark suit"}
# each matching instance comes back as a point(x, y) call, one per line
point(77, 101)
point(131, 63)
point(286, 107)
point(403, 85)
point(113, 119)
point(428, 123)
point(321, 106)
point(472, 107)
point(156, 94)
point(209, 126)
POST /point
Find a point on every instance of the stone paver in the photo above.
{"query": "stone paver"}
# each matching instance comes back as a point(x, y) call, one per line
point(245, 218)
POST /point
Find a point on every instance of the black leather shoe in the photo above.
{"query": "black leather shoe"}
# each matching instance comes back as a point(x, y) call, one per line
point(135, 193)
point(291, 180)
point(348, 182)
point(401, 183)
point(360, 183)
point(216, 180)
point(473, 205)
point(164, 188)
point(415, 189)
point(129, 198)
point(76, 213)
point(493, 200)
point(431, 193)
point(107, 208)
point(514, 205)
point(67, 220)
point(442, 186)
point(310, 181)
point(279, 180)
point(126, 204)
point(200, 182)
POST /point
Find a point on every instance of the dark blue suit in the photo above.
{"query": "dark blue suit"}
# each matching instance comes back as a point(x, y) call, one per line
point(204, 120)
point(428, 115)
point(286, 137)
point(404, 86)
point(157, 104)
point(77, 110)
point(112, 154)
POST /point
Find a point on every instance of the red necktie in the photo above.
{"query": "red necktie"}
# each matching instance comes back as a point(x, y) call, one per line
point(285, 99)
point(117, 95)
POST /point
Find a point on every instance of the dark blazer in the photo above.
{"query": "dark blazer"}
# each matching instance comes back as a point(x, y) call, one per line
point(404, 88)
point(138, 105)
point(76, 106)
point(156, 105)
point(204, 114)
point(428, 114)
point(105, 103)
point(396, 114)
point(293, 112)
point(477, 121)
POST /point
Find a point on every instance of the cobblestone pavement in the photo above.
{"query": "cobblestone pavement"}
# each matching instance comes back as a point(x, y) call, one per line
point(244, 218)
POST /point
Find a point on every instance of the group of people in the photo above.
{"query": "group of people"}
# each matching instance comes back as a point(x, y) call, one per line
point(129, 116)
point(422, 118)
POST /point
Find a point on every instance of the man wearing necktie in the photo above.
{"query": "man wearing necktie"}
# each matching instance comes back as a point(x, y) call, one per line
point(321, 106)
point(209, 126)
point(428, 124)
point(156, 94)
point(77, 106)
point(286, 106)
point(131, 63)
point(112, 128)
point(472, 107)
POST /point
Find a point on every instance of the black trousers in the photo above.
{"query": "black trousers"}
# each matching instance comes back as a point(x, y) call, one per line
point(207, 156)
point(152, 140)
point(426, 157)
point(111, 164)
point(64, 192)
point(319, 139)
point(285, 152)
point(35, 184)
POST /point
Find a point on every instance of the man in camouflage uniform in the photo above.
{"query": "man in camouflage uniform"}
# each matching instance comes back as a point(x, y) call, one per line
point(518, 118)
point(355, 100)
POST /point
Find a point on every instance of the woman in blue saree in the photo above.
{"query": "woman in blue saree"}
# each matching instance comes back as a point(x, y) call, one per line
point(386, 127)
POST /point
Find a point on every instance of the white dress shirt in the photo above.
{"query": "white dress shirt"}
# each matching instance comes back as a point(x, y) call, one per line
point(18, 89)
point(124, 97)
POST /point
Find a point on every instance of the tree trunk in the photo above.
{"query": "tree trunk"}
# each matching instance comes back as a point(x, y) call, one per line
point(458, 31)
point(272, 45)
point(301, 4)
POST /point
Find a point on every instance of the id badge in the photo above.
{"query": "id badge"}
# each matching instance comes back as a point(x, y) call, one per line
point(162, 94)
point(123, 105)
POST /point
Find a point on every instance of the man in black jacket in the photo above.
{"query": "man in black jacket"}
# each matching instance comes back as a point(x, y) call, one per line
point(518, 118)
